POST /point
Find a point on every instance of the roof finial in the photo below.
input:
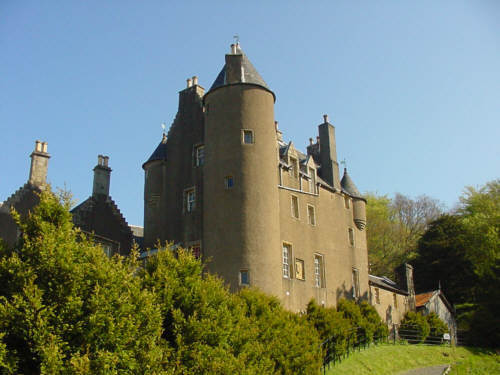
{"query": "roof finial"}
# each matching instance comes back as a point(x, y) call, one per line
point(344, 163)
point(164, 138)
point(236, 39)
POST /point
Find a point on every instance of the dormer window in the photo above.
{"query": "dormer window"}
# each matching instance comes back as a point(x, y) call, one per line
point(312, 180)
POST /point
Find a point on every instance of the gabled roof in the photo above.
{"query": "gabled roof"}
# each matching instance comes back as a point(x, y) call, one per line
point(423, 298)
point(160, 153)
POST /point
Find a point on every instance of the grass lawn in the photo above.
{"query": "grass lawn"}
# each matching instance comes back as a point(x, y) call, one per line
point(389, 359)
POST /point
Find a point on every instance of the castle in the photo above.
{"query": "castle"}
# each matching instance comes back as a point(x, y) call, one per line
point(225, 184)
point(262, 213)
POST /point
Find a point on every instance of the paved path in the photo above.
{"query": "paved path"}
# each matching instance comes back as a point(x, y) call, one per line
point(434, 370)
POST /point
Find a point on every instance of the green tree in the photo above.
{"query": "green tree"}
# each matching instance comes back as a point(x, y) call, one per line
point(66, 308)
point(394, 227)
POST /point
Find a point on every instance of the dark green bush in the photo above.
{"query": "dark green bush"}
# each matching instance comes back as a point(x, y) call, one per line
point(414, 327)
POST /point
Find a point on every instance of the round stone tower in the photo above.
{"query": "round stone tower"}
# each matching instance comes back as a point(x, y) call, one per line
point(241, 210)
point(359, 203)
point(155, 174)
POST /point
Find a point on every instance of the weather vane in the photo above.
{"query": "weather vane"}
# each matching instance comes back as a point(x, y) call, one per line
point(344, 163)
point(236, 39)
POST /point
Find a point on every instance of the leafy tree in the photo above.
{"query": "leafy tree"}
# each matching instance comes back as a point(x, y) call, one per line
point(394, 227)
point(210, 330)
point(66, 308)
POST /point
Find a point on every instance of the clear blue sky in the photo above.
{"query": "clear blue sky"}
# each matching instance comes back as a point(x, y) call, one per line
point(413, 88)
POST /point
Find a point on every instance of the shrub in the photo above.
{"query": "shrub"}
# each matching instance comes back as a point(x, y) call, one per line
point(414, 327)
point(437, 326)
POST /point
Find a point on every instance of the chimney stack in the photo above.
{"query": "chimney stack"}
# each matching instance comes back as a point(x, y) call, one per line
point(102, 176)
point(328, 154)
point(39, 164)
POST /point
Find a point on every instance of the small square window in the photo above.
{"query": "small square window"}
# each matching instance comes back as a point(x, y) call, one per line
point(248, 137)
point(377, 296)
point(190, 198)
point(295, 206)
point(244, 277)
point(351, 237)
point(228, 182)
point(199, 155)
point(311, 215)
point(299, 269)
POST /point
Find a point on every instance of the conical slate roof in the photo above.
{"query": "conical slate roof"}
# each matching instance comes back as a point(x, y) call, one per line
point(160, 153)
point(348, 185)
point(248, 72)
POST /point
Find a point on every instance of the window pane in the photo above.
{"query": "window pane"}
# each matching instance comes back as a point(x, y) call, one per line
point(244, 278)
point(247, 136)
point(286, 261)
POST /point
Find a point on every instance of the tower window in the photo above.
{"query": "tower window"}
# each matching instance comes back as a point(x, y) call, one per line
point(190, 200)
point(199, 155)
point(287, 255)
point(244, 277)
point(355, 283)
point(319, 271)
point(351, 237)
point(311, 214)
point(228, 182)
point(295, 206)
point(247, 136)
point(299, 269)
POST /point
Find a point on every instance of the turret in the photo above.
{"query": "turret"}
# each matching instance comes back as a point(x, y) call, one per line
point(359, 203)
point(39, 164)
point(155, 174)
point(102, 176)
point(240, 193)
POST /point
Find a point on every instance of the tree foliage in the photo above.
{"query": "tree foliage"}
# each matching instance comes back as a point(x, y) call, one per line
point(66, 308)
point(394, 227)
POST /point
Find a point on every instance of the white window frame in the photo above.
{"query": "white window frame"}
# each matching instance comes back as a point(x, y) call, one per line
point(319, 271)
point(226, 182)
point(312, 180)
point(286, 257)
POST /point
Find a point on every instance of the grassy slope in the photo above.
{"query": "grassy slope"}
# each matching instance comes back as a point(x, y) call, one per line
point(387, 359)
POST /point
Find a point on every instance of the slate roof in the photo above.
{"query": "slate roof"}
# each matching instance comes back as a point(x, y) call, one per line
point(385, 283)
point(250, 74)
point(348, 186)
point(160, 153)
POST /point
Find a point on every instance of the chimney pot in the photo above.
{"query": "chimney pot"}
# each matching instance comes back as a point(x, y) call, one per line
point(276, 125)
point(188, 82)
point(38, 146)
point(325, 117)
point(105, 158)
point(317, 139)
point(44, 146)
point(233, 49)
point(311, 141)
point(195, 80)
